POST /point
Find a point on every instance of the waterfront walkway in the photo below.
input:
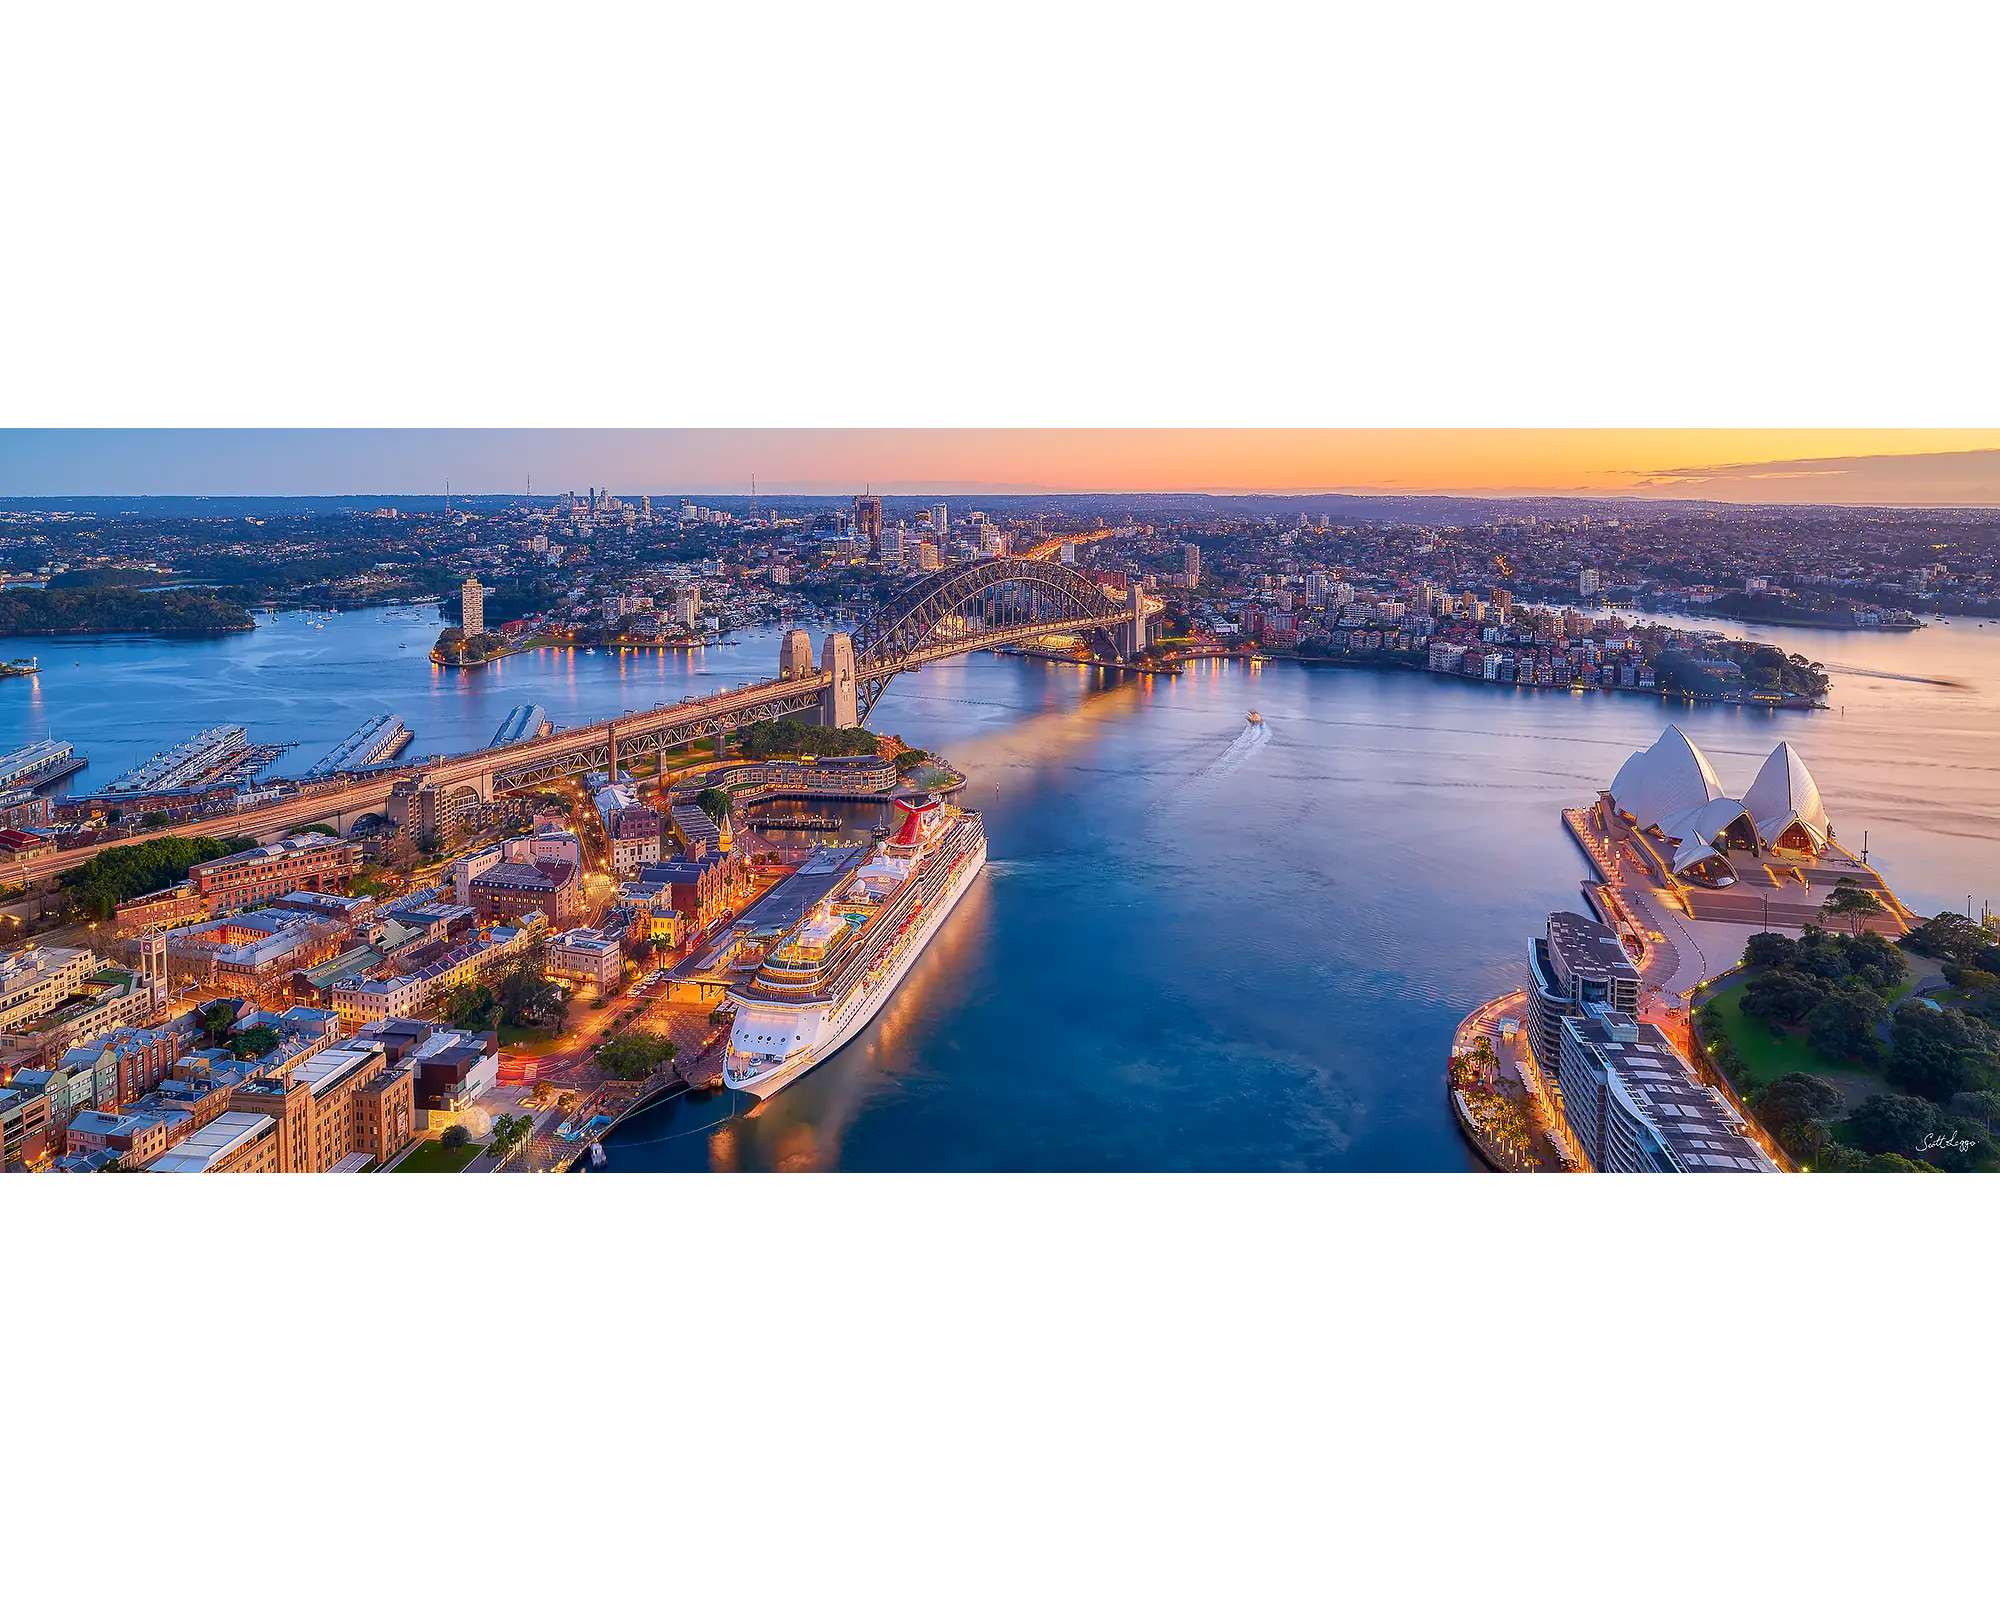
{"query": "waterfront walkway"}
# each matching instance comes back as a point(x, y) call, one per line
point(1516, 1086)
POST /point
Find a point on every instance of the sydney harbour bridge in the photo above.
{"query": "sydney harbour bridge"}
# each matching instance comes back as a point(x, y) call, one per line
point(980, 605)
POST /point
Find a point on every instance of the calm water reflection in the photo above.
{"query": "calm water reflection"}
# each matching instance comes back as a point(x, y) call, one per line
point(1198, 945)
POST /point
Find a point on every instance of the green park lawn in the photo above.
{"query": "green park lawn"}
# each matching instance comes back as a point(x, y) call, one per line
point(431, 1156)
point(1768, 1058)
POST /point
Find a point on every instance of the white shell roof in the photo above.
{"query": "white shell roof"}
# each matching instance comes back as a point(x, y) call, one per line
point(1698, 829)
point(1672, 778)
point(1784, 793)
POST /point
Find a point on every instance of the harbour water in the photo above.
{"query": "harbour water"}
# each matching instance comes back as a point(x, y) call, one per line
point(1200, 943)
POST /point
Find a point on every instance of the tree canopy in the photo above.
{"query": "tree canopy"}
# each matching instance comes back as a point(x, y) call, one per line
point(782, 738)
point(126, 871)
point(636, 1053)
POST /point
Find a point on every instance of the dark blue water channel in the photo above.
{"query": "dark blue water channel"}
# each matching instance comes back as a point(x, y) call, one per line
point(1198, 944)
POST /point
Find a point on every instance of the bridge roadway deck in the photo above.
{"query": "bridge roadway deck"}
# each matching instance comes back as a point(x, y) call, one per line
point(571, 750)
point(479, 769)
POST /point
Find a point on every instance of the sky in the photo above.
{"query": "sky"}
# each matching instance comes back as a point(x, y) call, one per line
point(1855, 466)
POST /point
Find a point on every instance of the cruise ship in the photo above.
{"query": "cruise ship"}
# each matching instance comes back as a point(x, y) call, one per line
point(859, 929)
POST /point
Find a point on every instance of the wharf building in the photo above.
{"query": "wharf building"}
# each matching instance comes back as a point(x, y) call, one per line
point(1578, 963)
point(30, 765)
point(377, 740)
point(521, 724)
point(1635, 1105)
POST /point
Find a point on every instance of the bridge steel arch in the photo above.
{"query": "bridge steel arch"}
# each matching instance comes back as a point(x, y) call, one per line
point(1023, 599)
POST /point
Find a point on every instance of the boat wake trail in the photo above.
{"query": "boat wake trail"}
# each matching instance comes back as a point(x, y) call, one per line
point(1245, 745)
point(1898, 677)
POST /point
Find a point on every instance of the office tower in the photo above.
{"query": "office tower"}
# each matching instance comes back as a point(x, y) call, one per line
point(868, 520)
point(940, 522)
point(892, 546)
point(472, 603)
point(1191, 565)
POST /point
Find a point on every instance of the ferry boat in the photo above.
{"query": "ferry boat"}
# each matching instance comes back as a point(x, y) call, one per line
point(859, 930)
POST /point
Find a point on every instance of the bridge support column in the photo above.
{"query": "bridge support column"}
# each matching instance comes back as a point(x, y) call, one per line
point(1132, 635)
point(839, 701)
point(611, 752)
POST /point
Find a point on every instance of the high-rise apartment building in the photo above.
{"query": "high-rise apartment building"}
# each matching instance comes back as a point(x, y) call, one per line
point(940, 522)
point(1191, 565)
point(1633, 1104)
point(1581, 962)
point(472, 600)
point(1587, 581)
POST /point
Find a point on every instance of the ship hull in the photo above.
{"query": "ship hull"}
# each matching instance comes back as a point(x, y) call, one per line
point(838, 1023)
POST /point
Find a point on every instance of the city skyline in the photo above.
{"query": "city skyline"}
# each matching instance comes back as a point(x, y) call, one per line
point(1889, 467)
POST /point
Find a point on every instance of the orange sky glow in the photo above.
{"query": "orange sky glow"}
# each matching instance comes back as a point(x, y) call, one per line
point(1853, 466)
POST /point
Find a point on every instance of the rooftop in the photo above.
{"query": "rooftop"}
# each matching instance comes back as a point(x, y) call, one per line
point(207, 1146)
point(788, 901)
point(1699, 1131)
point(327, 1068)
point(296, 844)
point(1588, 948)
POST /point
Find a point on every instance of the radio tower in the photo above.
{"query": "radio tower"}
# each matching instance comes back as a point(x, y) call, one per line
point(753, 494)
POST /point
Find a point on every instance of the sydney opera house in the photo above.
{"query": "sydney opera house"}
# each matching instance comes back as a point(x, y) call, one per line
point(1670, 793)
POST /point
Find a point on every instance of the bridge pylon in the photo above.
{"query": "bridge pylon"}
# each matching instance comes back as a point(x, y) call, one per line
point(839, 701)
point(1132, 635)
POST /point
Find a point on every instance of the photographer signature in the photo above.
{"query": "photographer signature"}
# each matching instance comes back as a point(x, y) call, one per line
point(1939, 1141)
